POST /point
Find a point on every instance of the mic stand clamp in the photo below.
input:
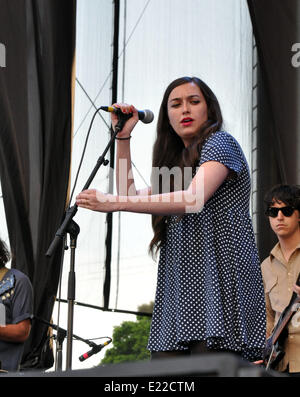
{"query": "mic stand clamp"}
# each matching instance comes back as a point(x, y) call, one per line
point(122, 118)
point(60, 337)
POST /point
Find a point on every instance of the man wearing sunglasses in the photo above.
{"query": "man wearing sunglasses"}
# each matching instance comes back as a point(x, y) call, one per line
point(281, 269)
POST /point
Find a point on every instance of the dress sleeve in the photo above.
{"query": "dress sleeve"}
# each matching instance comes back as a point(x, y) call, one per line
point(223, 148)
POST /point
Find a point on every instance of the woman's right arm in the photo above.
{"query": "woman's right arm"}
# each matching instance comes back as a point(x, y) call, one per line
point(124, 175)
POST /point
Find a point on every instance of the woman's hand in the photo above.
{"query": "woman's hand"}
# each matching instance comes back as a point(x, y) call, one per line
point(97, 201)
point(130, 124)
point(259, 362)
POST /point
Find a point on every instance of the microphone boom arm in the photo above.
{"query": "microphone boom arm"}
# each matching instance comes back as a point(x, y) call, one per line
point(71, 212)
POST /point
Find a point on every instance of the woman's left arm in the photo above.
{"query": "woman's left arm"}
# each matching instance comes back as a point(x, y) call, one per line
point(205, 183)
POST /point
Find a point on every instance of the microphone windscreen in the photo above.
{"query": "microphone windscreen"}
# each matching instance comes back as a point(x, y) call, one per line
point(147, 117)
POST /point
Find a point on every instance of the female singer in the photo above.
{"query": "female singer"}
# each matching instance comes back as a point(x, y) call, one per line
point(209, 293)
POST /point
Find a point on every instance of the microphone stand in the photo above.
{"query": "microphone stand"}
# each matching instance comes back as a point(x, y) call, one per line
point(71, 227)
point(60, 336)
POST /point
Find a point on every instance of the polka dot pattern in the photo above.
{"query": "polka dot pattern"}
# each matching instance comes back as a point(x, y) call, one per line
point(209, 283)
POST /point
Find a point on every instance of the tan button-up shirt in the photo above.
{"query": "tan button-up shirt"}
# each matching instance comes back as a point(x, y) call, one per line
point(279, 276)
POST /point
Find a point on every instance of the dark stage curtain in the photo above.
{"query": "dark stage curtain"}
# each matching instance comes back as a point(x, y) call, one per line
point(35, 144)
point(276, 25)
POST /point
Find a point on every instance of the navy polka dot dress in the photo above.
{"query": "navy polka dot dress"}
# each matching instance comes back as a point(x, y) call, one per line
point(209, 284)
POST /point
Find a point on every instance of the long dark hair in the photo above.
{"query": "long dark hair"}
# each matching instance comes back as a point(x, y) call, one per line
point(4, 253)
point(169, 150)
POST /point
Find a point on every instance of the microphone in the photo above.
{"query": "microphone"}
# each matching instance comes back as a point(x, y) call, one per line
point(94, 350)
point(146, 116)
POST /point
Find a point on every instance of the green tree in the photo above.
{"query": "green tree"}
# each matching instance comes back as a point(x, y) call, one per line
point(130, 339)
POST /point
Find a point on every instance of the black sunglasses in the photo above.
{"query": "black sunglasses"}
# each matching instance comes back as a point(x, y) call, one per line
point(273, 211)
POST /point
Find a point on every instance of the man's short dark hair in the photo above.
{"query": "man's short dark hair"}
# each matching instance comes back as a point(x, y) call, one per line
point(287, 194)
point(4, 253)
